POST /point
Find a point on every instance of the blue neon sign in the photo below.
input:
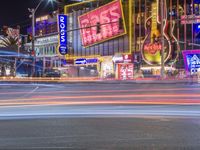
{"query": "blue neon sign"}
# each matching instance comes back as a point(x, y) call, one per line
point(193, 62)
point(62, 26)
point(83, 61)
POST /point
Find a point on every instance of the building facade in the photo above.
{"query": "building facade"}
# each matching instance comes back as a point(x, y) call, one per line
point(46, 42)
point(181, 31)
point(98, 39)
point(118, 38)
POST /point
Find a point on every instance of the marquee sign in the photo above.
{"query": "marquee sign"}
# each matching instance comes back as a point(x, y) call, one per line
point(62, 28)
point(192, 60)
point(108, 17)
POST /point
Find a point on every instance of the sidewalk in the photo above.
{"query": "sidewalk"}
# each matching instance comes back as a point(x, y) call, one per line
point(98, 80)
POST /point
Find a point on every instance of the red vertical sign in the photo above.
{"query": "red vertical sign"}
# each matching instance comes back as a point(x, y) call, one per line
point(125, 71)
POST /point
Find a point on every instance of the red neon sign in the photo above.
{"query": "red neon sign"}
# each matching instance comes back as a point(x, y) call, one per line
point(108, 17)
point(125, 71)
point(152, 48)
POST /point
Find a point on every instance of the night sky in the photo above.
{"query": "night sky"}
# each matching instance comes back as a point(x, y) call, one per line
point(15, 12)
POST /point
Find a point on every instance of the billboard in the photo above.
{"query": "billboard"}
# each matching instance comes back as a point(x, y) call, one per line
point(62, 28)
point(125, 71)
point(102, 24)
point(192, 60)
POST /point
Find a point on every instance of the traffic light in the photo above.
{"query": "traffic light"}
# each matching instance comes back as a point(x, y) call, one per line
point(98, 27)
point(29, 38)
point(121, 23)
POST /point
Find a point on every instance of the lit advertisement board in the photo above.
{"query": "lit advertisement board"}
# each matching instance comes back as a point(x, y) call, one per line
point(108, 17)
point(192, 60)
point(62, 28)
point(84, 61)
point(125, 71)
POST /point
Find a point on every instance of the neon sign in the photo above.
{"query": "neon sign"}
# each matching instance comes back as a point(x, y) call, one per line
point(192, 60)
point(62, 28)
point(84, 61)
point(125, 71)
point(108, 16)
point(152, 48)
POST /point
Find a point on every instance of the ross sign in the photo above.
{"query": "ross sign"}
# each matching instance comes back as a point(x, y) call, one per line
point(62, 29)
point(192, 60)
point(125, 71)
point(108, 17)
point(84, 61)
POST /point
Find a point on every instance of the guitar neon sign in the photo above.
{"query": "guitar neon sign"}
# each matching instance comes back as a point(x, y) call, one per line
point(152, 48)
point(152, 43)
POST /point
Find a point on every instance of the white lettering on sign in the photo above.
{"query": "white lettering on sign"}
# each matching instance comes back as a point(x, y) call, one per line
point(108, 17)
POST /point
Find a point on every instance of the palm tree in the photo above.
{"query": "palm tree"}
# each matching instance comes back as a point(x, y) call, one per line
point(9, 42)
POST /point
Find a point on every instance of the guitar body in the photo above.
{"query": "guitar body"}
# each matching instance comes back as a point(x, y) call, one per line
point(152, 44)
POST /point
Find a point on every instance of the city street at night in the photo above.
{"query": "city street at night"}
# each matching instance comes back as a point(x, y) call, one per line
point(100, 116)
point(100, 75)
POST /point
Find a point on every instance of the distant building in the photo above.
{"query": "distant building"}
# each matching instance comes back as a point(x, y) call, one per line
point(46, 42)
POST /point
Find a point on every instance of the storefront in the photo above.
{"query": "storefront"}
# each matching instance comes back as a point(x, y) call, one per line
point(124, 67)
point(85, 67)
point(107, 67)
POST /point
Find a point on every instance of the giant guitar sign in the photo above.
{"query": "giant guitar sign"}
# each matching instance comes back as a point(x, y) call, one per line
point(152, 45)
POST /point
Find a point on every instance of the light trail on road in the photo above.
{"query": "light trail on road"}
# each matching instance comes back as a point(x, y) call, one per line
point(104, 91)
point(98, 95)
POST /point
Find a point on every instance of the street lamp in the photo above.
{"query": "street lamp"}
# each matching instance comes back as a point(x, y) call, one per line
point(33, 11)
point(163, 43)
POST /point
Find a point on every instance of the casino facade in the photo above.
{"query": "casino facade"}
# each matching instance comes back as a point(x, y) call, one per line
point(108, 38)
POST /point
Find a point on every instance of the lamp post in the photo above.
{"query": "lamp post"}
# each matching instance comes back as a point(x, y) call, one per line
point(32, 15)
point(162, 39)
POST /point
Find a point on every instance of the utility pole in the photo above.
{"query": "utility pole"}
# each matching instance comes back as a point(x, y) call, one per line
point(32, 11)
point(162, 40)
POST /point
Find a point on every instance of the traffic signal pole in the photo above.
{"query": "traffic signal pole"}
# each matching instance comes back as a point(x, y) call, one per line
point(162, 41)
point(33, 41)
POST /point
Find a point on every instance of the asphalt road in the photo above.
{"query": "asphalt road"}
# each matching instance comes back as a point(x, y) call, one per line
point(100, 116)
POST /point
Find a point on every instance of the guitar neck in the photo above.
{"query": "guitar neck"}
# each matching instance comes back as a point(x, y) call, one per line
point(154, 23)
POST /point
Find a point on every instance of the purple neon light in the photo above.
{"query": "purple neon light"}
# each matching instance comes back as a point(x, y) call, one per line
point(185, 53)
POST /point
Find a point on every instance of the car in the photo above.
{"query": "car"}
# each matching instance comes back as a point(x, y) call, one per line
point(52, 73)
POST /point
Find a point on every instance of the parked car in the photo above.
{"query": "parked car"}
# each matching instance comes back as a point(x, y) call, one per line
point(52, 73)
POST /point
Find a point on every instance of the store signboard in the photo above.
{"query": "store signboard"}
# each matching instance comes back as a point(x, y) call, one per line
point(125, 71)
point(108, 18)
point(84, 61)
point(192, 60)
point(122, 58)
point(118, 58)
point(128, 58)
point(62, 28)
